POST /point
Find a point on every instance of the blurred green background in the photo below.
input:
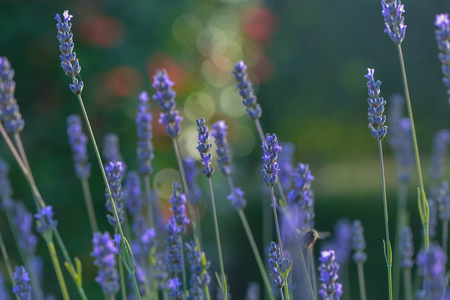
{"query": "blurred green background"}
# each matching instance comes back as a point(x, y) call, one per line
point(307, 60)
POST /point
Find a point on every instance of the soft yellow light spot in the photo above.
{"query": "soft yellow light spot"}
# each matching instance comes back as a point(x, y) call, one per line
point(231, 102)
point(163, 182)
point(188, 141)
point(199, 105)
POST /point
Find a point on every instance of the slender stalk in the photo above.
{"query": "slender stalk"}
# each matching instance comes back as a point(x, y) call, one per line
point(313, 271)
point(251, 239)
point(7, 261)
point(55, 261)
point(186, 192)
point(445, 236)
point(123, 288)
point(407, 284)
point(277, 226)
point(413, 132)
point(99, 160)
point(89, 205)
point(199, 224)
point(149, 201)
point(401, 222)
point(219, 248)
point(165, 295)
point(362, 282)
point(387, 250)
point(281, 293)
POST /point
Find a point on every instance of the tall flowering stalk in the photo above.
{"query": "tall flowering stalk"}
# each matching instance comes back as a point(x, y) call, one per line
point(204, 148)
point(378, 130)
point(238, 202)
point(200, 278)
point(329, 288)
point(406, 251)
point(443, 40)
point(71, 67)
point(395, 27)
point(431, 265)
point(22, 287)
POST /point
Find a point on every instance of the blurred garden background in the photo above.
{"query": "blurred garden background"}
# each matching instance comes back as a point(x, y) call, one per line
point(307, 60)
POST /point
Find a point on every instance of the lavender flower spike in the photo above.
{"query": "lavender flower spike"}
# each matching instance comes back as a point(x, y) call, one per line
point(443, 39)
point(44, 220)
point(77, 141)
point(69, 60)
point(237, 199)
point(22, 287)
point(144, 135)
point(392, 13)
point(245, 87)
point(10, 116)
point(376, 107)
point(441, 141)
point(5, 188)
point(114, 173)
point(199, 272)
point(174, 253)
point(270, 167)
point(431, 265)
point(329, 288)
point(204, 147)
point(165, 97)
point(178, 201)
point(224, 159)
point(358, 242)
point(104, 252)
point(279, 268)
point(191, 173)
point(406, 248)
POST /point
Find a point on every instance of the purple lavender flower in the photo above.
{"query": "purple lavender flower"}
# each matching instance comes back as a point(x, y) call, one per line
point(245, 87)
point(443, 39)
point(199, 272)
point(173, 284)
point(133, 194)
point(358, 242)
point(431, 265)
point(69, 60)
point(174, 254)
point(270, 167)
point(285, 161)
point(10, 115)
point(144, 243)
point(441, 141)
point(329, 288)
point(144, 135)
point(160, 270)
point(104, 252)
point(342, 241)
point(376, 107)
point(178, 201)
point(191, 173)
point(302, 195)
point(114, 173)
point(279, 269)
point(165, 97)
point(204, 147)
point(443, 201)
point(237, 199)
point(111, 149)
point(3, 294)
point(5, 188)
point(252, 291)
point(23, 287)
point(23, 222)
point(224, 157)
point(406, 248)
point(44, 220)
point(392, 13)
point(77, 141)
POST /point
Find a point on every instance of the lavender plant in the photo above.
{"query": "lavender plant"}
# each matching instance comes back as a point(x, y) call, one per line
point(443, 40)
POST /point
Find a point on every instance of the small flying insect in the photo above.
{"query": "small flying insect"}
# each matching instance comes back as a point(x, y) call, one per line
point(310, 237)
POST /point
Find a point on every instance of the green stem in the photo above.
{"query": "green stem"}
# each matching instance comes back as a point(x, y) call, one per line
point(123, 288)
point(388, 249)
point(362, 281)
point(7, 261)
point(149, 201)
point(281, 293)
point(413, 132)
point(313, 271)
point(277, 226)
point(407, 284)
point(219, 248)
point(186, 192)
point(55, 261)
point(401, 222)
point(89, 205)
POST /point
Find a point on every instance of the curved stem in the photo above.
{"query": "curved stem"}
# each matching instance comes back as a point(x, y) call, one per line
point(55, 261)
point(362, 282)
point(413, 132)
point(89, 205)
point(219, 247)
point(387, 250)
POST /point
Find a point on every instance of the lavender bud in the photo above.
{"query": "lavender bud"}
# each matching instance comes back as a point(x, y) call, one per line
point(173, 285)
point(10, 115)
point(44, 220)
point(406, 248)
point(302, 180)
point(111, 149)
point(441, 141)
point(160, 270)
point(174, 254)
point(237, 199)
point(443, 39)
point(392, 13)
point(69, 60)
point(144, 135)
point(132, 194)
point(270, 167)
point(278, 267)
point(104, 252)
point(431, 265)
point(5, 188)
point(114, 173)
point(178, 201)
point(199, 272)
point(329, 288)
point(23, 222)
point(191, 173)
point(145, 242)
point(376, 107)
point(165, 97)
point(204, 147)
point(358, 242)
point(77, 141)
point(224, 157)
point(23, 287)
point(443, 201)
point(246, 91)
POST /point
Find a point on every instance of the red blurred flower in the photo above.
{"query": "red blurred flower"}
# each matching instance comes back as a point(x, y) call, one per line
point(101, 31)
point(259, 23)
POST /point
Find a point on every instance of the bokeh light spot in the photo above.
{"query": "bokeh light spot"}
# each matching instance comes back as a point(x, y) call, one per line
point(244, 141)
point(163, 182)
point(231, 102)
point(199, 105)
point(186, 29)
